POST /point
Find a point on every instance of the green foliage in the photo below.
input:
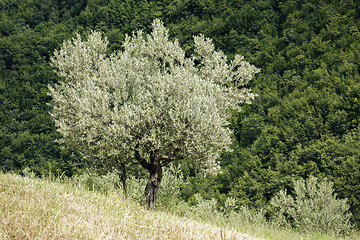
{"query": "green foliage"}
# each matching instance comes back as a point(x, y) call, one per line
point(173, 181)
point(306, 112)
point(304, 122)
point(95, 182)
point(315, 208)
point(29, 33)
point(135, 187)
point(169, 192)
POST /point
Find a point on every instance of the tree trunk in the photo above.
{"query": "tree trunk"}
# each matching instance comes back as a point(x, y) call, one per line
point(152, 185)
point(124, 177)
point(157, 162)
point(124, 186)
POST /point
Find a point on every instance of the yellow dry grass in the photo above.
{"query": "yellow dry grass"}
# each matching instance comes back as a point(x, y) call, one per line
point(39, 209)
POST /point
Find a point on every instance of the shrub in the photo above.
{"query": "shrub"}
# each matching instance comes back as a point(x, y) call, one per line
point(169, 192)
point(172, 182)
point(96, 182)
point(28, 173)
point(315, 208)
point(135, 188)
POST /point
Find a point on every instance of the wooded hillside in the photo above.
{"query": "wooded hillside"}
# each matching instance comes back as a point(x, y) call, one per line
point(304, 122)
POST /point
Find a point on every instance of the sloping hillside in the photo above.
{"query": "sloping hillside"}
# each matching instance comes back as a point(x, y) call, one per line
point(305, 121)
point(38, 209)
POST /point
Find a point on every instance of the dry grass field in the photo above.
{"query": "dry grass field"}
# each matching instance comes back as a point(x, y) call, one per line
point(40, 209)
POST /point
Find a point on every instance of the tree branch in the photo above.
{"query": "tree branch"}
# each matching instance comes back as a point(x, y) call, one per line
point(142, 161)
point(165, 160)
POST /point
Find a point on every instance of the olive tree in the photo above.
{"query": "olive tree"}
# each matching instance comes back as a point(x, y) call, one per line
point(148, 103)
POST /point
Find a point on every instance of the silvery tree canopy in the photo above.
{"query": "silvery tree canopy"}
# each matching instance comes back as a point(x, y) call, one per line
point(148, 103)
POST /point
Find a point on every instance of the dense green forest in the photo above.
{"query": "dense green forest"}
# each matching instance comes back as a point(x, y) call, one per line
point(305, 120)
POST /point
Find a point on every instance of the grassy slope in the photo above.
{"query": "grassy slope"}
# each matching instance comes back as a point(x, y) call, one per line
point(38, 209)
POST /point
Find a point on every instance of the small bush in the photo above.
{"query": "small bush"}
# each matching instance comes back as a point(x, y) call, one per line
point(205, 208)
point(228, 215)
point(169, 191)
point(315, 208)
point(250, 217)
point(135, 188)
point(172, 181)
point(240, 217)
point(28, 173)
point(100, 183)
